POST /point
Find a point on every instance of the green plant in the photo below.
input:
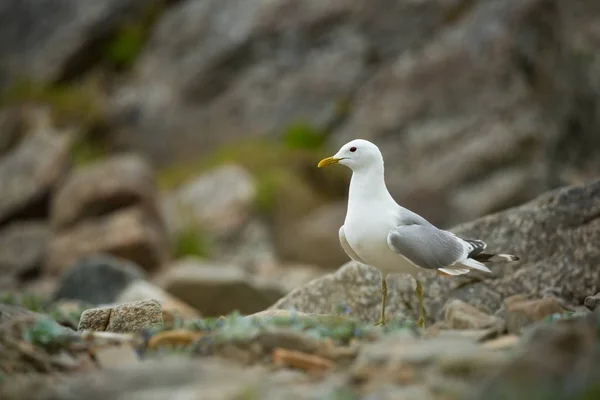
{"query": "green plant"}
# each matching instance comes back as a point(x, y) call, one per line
point(301, 135)
point(191, 241)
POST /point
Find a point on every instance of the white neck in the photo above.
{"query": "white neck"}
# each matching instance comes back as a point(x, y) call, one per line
point(368, 186)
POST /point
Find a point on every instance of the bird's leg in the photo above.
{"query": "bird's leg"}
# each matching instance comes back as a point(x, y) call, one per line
point(419, 292)
point(383, 300)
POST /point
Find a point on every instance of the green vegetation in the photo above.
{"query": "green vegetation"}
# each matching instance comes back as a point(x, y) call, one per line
point(70, 104)
point(300, 135)
point(123, 48)
point(192, 241)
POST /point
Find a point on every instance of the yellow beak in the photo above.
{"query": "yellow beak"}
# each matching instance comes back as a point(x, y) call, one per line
point(328, 161)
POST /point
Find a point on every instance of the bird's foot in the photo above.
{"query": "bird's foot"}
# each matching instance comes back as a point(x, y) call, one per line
point(420, 322)
point(380, 323)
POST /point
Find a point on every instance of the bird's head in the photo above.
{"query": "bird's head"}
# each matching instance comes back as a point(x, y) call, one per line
point(357, 155)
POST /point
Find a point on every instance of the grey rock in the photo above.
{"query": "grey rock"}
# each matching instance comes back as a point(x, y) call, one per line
point(9, 312)
point(63, 45)
point(461, 315)
point(218, 289)
point(556, 361)
point(354, 288)
point(313, 239)
point(132, 233)
point(11, 128)
point(101, 188)
point(521, 312)
point(476, 120)
point(218, 201)
point(284, 62)
point(23, 247)
point(128, 317)
point(551, 234)
point(97, 279)
point(31, 171)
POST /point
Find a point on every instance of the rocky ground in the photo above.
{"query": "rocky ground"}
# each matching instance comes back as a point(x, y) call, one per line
point(528, 331)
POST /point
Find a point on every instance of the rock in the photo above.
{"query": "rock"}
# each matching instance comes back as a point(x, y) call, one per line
point(558, 361)
point(101, 188)
point(64, 45)
point(23, 247)
point(128, 317)
point(592, 302)
point(9, 312)
point(130, 233)
point(30, 172)
point(429, 364)
point(11, 128)
point(218, 289)
point(172, 306)
point(319, 52)
point(354, 288)
point(551, 234)
point(314, 239)
point(461, 315)
point(521, 312)
point(504, 113)
point(219, 202)
point(97, 279)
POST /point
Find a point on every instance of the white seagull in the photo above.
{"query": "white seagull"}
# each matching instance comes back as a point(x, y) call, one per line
point(379, 232)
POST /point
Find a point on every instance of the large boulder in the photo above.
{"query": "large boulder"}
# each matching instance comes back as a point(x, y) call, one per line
point(31, 171)
point(131, 233)
point(103, 187)
point(65, 43)
point(554, 235)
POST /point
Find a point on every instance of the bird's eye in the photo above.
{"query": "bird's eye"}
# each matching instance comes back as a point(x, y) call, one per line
point(352, 149)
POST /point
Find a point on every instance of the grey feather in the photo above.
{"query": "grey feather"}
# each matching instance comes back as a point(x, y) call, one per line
point(346, 246)
point(426, 246)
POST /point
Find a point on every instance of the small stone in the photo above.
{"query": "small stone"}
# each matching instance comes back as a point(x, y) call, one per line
point(521, 312)
point(461, 315)
point(592, 302)
point(98, 279)
point(95, 319)
point(128, 317)
point(131, 233)
point(103, 187)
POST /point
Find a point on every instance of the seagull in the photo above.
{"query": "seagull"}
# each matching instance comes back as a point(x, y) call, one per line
point(379, 232)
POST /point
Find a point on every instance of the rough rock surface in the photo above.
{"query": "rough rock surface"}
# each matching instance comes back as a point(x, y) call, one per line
point(286, 61)
point(101, 188)
point(64, 44)
point(552, 234)
point(128, 317)
point(23, 246)
point(131, 233)
point(30, 172)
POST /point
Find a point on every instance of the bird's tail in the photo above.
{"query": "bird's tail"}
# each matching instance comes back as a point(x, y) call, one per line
point(493, 258)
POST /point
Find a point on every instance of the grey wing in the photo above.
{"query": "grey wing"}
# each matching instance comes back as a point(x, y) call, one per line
point(427, 246)
point(346, 246)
